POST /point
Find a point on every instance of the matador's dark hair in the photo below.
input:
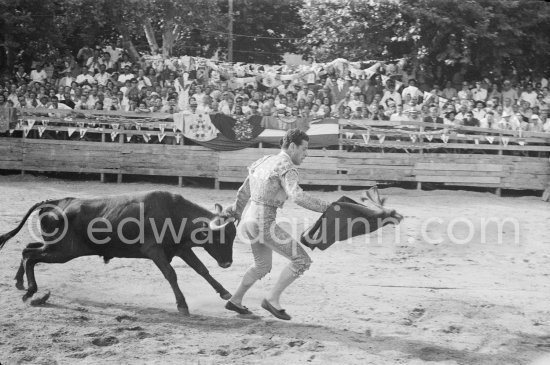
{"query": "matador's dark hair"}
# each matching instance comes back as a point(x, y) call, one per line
point(294, 135)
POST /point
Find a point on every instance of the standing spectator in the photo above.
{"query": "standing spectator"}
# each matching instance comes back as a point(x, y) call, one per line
point(509, 92)
point(102, 76)
point(20, 75)
point(494, 93)
point(389, 93)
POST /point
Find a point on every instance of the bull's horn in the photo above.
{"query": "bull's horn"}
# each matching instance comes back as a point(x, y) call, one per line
point(218, 227)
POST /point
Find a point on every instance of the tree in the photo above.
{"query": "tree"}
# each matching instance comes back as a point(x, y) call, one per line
point(438, 36)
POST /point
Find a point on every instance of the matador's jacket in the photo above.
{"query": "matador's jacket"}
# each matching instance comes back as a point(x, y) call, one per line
point(271, 181)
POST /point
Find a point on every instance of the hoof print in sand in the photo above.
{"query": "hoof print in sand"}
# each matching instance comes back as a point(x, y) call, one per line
point(105, 341)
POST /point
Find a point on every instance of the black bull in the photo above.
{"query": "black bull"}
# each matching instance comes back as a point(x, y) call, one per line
point(154, 225)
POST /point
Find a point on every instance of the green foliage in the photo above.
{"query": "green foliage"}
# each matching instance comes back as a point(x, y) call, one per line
point(440, 36)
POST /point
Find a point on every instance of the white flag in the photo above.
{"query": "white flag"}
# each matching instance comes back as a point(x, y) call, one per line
point(41, 130)
point(70, 131)
point(83, 132)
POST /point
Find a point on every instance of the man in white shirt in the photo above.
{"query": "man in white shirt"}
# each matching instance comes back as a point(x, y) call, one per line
point(126, 76)
point(102, 77)
point(479, 93)
point(529, 95)
point(509, 92)
point(85, 77)
point(411, 90)
point(39, 75)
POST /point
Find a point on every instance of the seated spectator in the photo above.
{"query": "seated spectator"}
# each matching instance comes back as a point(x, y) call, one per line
point(465, 93)
point(479, 93)
point(488, 120)
point(39, 75)
point(85, 77)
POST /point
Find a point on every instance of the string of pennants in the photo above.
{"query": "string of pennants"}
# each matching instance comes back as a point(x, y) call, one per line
point(242, 73)
point(416, 136)
point(179, 131)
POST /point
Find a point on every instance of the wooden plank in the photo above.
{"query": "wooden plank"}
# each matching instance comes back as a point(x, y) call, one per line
point(459, 179)
point(458, 173)
point(457, 167)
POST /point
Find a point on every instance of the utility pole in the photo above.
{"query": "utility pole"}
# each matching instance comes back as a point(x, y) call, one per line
point(230, 40)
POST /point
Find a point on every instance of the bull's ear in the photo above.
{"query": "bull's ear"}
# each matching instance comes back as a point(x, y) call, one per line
point(218, 208)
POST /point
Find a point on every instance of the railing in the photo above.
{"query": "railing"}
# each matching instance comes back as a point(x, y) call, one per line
point(368, 152)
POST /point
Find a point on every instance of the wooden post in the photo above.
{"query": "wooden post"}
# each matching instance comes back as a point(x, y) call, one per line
point(102, 175)
point(180, 181)
point(498, 190)
point(217, 183)
point(119, 175)
point(421, 153)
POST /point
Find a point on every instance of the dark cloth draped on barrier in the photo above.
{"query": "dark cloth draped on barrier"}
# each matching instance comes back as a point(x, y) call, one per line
point(239, 129)
point(333, 225)
point(222, 143)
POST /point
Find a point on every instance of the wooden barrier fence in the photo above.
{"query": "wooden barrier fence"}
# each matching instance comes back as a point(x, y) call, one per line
point(465, 159)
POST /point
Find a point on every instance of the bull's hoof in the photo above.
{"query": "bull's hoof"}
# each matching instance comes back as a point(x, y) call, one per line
point(184, 311)
point(40, 301)
point(27, 296)
point(19, 285)
point(225, 295)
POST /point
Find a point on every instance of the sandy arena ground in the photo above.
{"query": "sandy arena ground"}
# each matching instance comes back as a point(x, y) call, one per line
point(394, 300)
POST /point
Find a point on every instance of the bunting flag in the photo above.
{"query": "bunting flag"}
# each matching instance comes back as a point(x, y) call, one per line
point(161, 136)
point(445, 138)
point(30, 123)
point(476, 140)
point(381, 138)
point(83, 131)
point(366, 137)
point(521, 142)
point(505, 140)
point(11, 131)
point(138, 127)
point(41, 130)
point(161, 127)
point(178, 138)
point(45, 122)
point(146, 137)
point(113, 136)
point(26, 130)
point(490, 139)
point(429, 137)
point(239, 128)
point(349, 135)
point(70, 130)
point(115, 125)
point(199, 127)
point(128, 137)
point(412, 137)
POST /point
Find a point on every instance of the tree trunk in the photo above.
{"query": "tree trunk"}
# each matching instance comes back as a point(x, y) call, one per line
point(168, 37)
point(128, 44)
point(150, 34)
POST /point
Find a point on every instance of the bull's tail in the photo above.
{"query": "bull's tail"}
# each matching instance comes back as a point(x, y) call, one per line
point(5, 237)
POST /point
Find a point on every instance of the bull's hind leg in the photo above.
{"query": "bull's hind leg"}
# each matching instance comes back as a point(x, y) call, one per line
point(21, 271)
point(50, 254)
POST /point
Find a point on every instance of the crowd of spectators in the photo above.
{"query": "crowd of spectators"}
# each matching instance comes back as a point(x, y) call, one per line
point(105, 79)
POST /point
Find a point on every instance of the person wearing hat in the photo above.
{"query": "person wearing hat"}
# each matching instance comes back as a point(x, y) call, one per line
point(271, 181)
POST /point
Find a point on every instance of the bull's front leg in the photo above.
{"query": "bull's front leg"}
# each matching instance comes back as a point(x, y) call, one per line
point(195, 263)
